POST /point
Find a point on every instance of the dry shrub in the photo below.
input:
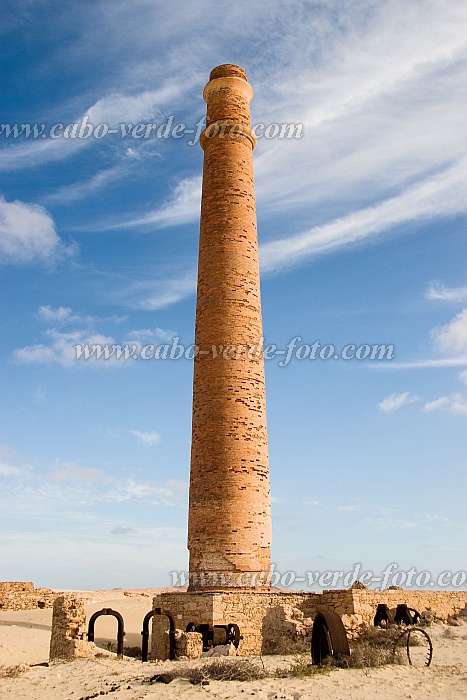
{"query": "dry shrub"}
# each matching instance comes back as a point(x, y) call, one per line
point(288, 646)
point(374, 648)
point(13, 671)
point(134, 652)
point(301, 667)
point(221, 670)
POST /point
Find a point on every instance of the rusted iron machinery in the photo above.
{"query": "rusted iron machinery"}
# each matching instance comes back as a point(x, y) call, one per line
point(403, 616)
point(329, 637)
point(217, 635)
point(212, 636)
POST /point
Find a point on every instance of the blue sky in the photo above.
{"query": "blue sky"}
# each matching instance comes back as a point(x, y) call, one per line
point(362, 240)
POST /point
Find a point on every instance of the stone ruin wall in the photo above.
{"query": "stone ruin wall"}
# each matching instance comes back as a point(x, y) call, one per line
point(21, 595)
point(263, 618)
point(266, 620)
point(69, 630)
point(357, 607)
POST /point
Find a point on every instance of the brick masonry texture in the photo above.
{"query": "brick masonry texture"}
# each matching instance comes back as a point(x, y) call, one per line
point(229, 528)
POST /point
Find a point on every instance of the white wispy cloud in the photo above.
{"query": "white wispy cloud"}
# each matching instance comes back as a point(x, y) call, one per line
point(73, 486)
point(394, 402)
point(460, 361)
point(153, 295)
point(454, 403)
point(6, 455)
point(8, 470)
point(79, 190)
point(28, 235)
point(62, 315)
point(147, 334)
point(442, 194)
point(112, 110)
point(181, 208)
point(449, 339)
point(452, 337)
point(377, 144)
point(61, 346)
point(150, 438)
point(118, 108)
point(370, 124)
point(61, 350)
point(71, 471)
point(440, 292)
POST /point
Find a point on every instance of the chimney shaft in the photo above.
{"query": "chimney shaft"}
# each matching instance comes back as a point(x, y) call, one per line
point(229, 528)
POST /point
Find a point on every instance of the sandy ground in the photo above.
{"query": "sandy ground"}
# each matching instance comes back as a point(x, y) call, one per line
point(25, 637)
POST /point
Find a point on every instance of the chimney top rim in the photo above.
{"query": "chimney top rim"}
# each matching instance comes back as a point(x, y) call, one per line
point(228, 70)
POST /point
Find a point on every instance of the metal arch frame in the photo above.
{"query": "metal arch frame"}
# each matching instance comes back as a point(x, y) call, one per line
point(120, 628)
point(145, 633)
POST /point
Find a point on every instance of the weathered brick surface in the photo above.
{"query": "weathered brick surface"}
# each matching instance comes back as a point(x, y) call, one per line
point(229, 529)
point(21, 595)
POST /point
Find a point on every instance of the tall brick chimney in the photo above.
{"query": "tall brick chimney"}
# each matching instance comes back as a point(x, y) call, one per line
point(229, 526)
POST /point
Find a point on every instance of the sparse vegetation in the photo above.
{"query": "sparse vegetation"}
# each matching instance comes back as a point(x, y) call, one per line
point(220, 670)
point(301, 667)
point(287, 645)
point(13, 671)
point(134, 652)
point(375, 648)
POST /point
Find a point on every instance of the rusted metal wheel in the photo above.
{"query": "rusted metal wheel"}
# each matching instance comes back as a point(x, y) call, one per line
point(424, 646)
point(328, 637)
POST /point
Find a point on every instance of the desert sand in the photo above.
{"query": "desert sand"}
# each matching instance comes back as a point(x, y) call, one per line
point(25, 638)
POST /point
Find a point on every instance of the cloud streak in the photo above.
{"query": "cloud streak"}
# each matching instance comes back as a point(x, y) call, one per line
point(182, 207)
point(439, 292)
point(394, 402)
point(111, 110)
point(147, 438)
point(450, 340)
point(454, 403)
point(442, 195)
